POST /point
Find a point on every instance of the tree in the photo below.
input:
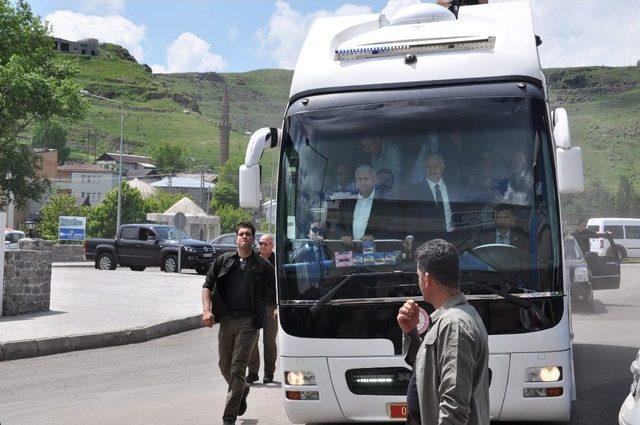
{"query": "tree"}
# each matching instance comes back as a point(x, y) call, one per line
point(35, 84)
point(52, 135)
point(102, 218)
point(56, 206)
point(224, 194)
point(230, 216)
point(228, 173)
point(168, 158)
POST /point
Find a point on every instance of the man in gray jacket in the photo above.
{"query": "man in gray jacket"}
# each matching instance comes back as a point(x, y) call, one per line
point(450, 381)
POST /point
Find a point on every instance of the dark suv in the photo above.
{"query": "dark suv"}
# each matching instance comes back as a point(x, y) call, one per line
point(139, 246)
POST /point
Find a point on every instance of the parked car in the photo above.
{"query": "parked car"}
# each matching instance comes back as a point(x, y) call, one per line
point(590, 271)
point(139, 246)
point(579, 274)
point(227, 242)
point(11, 238)
point(626, 236)
point(630, 410)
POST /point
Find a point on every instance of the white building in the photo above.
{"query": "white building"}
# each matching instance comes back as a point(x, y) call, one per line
point(197, 188)
point(86, 182)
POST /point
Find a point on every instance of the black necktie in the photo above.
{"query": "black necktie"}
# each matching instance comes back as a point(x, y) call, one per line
point(439, 202)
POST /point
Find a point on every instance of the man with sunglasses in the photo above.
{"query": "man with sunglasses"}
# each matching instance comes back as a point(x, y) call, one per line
point(312, 251)
point(235, 295)
point(270, 325)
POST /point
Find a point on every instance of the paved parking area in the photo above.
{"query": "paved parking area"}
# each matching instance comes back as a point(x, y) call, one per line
point(85, 300)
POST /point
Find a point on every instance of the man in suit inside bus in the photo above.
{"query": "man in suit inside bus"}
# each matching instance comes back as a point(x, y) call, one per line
point(367, 216)
point(428, 203)
point(505, 232)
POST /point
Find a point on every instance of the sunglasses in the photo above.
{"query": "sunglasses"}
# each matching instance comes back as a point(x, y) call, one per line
point(317, 229)
point(264, 243)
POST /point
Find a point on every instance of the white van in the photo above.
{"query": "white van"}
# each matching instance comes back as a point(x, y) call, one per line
point(626, 235)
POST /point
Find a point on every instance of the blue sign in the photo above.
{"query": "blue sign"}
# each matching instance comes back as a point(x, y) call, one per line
point(71, 228)
point(71, 234)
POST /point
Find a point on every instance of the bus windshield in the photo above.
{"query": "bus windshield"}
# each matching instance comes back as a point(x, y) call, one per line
point(361, 187)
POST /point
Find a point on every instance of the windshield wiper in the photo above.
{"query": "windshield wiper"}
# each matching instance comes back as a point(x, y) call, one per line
point(319, 305)
point(517, 301)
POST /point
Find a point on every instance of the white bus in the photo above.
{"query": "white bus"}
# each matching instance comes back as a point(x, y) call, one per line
point(388, 91)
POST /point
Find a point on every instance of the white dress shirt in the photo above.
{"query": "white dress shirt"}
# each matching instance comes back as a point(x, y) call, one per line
point(445, 201)
point(361, 214)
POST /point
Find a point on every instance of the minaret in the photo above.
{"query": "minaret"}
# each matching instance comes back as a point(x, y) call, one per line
point(224, 126)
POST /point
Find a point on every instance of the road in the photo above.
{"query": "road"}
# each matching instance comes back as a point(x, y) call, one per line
point(175, 380)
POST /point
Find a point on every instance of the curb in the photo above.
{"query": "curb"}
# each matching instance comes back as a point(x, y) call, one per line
point(46, 346)
point(74, 264)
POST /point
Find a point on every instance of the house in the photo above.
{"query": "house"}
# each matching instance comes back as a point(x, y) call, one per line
point(196, 188)
point(133, 166)
point(88, 183)
point(86, 46)
point(48, 167)
point(200, 225)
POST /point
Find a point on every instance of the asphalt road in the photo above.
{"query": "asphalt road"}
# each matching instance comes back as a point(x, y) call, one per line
point(175, 380)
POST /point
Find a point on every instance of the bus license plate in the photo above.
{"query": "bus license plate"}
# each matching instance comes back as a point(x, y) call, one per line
point(398, 411)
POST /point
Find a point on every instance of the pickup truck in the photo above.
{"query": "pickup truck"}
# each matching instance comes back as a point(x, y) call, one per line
point(139, 246)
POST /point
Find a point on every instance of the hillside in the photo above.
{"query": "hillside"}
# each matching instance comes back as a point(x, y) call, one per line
point(604, 111)
point(184, 109)
point(180, 109)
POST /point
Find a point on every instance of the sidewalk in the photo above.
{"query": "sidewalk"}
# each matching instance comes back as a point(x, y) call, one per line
point(94, 308)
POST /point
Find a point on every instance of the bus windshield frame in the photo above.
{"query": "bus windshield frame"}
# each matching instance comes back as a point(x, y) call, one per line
point(492, 144)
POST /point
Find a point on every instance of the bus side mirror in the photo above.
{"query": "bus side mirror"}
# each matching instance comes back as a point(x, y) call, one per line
point(249, 182)
point(570, 170)
point(561, 133)
point(569, 158)
point(249, 173)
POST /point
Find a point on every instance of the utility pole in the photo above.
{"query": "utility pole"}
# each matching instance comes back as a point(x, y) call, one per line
point(122, 107)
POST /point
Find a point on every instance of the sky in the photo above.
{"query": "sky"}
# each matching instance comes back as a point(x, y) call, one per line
point(243, 35)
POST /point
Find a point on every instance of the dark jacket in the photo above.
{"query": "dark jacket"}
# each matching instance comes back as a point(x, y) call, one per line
point(421, 213)
point(380, 223)
point(517, 239)
point(261, 276)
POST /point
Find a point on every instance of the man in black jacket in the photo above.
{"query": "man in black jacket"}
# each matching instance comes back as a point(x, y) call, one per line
point(235, 295)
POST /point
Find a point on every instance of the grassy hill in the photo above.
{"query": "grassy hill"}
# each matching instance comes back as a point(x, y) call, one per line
point(604, 111)
point(184, 109)
point(180, 109)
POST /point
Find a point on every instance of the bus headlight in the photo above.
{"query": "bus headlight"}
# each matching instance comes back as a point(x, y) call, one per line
point(581, 274)
point(300, 378)
point(543, 374)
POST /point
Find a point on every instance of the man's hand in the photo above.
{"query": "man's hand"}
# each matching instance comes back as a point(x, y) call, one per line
point(408, 316)
point(275, 314)
point(368, 238)
point(347, 240)
point(207, 319)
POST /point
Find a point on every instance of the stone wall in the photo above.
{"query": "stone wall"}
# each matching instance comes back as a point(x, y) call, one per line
point(65, 253)
point(27, 278)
